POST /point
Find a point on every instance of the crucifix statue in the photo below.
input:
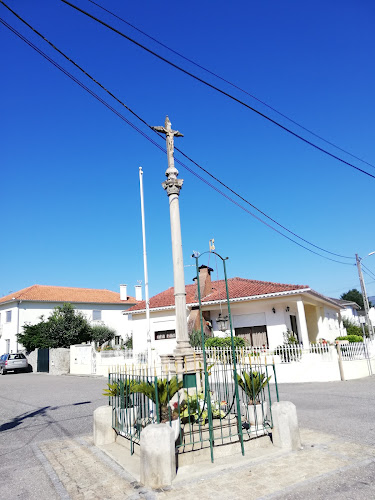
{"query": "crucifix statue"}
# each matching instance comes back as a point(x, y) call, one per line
point(173, 186)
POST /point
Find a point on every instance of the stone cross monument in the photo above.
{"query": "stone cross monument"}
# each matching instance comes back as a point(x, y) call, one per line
point(172, 185)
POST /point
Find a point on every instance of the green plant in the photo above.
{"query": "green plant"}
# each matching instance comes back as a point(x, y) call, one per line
point(194, 408)
point(64, 327)
point(195, 338)
point(102, 333)
point(123, 389)
point(290, 338)
point(128, 343)
point(161, 394)
point(225, 342)
point(351, 338)
point(252, 383)
point(353, 329)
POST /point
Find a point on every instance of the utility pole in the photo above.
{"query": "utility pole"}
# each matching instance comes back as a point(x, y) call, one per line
point(364, 294)
point(173, 187)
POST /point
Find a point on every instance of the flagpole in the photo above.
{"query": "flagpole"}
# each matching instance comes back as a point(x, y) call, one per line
point(148, 326)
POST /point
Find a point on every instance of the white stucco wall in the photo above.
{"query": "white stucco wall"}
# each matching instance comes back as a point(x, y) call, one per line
point(350, 314)
point(159, 320)
point(30, 312)
point(8, 330)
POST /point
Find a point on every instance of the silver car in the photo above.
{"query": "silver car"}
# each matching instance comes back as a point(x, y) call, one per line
point(13, 362)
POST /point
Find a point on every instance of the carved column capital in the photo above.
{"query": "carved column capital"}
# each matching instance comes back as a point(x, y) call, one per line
point(173, 186)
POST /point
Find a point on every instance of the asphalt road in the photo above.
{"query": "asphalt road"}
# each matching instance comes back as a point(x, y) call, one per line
point(39, 407)
point(346, 409)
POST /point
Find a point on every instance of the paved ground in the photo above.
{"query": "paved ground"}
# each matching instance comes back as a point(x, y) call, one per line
point(46, 450)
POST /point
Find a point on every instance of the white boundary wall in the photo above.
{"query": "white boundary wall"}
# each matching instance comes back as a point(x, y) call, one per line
point(85, 360)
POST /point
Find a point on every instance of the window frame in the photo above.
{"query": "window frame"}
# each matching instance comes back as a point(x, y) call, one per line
point(165, 334)
point(97, 311)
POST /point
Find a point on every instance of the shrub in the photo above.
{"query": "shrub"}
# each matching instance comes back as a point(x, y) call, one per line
point(128, 343)
point(351, 338)
point(225, 342)
point(351, 328)
point(102, 334)
point(195, 338)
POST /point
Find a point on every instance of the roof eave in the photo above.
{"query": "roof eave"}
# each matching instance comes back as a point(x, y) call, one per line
point(235, 299)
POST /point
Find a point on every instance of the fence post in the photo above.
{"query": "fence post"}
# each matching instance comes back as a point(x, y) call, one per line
point(341, 367)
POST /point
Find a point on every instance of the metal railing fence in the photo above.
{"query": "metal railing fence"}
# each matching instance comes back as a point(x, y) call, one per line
point(355, 351)
point(140, 397)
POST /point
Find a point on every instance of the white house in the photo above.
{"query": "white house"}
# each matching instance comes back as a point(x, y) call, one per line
point(261, 312)
point(29, 304)
point(349, 310)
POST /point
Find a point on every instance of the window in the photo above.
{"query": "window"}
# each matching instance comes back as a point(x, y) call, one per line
point(255, 335)
point(96, 315)
point(16, 356)
point(8, 317)
point(165, 334)
point(117, 340)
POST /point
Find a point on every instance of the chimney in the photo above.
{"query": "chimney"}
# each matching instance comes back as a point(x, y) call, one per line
point(204, 281)
point(123, 292)
point(138, 292)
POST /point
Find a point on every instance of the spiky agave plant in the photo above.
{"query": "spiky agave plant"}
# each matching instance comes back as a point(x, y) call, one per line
point(252, 383)
point(124, 389)
point(161, 394)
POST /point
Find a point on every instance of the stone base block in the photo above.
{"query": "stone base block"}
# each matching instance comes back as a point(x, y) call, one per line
point(285, 432)
point(103, 431)
point(158, 460)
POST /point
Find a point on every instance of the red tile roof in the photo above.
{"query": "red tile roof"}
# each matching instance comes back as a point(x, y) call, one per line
point(43, 293)
point(238, 287)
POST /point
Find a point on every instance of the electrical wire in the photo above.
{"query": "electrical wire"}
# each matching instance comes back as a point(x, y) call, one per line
point(286, 129)
point(369, 272)
point(231, 83)
point(176, 148)
point(76, 80)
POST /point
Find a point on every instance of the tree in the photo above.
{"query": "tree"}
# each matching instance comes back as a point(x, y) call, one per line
point(102, 333)
point(354, 295)
point(63, 328)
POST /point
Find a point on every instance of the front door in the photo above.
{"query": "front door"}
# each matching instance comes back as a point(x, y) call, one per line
point(293, 324)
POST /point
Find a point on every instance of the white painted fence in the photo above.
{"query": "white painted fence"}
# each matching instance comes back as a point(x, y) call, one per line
point(316, 363)
point(294, 363)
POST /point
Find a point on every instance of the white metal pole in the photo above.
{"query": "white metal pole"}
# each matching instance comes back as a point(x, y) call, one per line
point(148, 326)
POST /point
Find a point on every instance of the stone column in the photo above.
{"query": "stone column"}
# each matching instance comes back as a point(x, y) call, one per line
point(302, 325)
point(173, 187)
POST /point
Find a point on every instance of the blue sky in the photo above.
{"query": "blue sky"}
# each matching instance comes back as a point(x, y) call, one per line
point(70, 189)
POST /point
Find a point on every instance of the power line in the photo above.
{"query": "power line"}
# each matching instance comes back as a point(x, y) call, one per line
point(231, 83)
point(177, 149)
point(76, 80)
point(186, 72)
point(369, 272)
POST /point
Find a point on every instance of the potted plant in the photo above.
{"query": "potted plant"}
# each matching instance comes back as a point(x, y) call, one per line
point(161, 395)
point(253, 383)
point(127, 412)
point(194, 408)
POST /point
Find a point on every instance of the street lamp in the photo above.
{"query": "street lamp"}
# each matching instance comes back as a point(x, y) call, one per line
point(364, 294)
point(222, 323)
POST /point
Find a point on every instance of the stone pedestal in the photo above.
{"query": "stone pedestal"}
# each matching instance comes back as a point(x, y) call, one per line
point(103, 431)
point(158, 456)
point(285, 432)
